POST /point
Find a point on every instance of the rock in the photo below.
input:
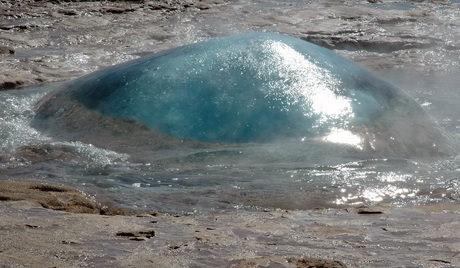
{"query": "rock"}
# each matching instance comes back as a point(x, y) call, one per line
point(14, 79)
point(349, 41)
point(137, 236)
point(377, 209)
point(161, 36)
point(68, 12)
point(357, 29)
point(313, 262)
point(119, 10)
point(11, 84)
point(280, 261)
point(164, 6)
point(6, 50)
point(249, 239)
point(58, 197)
point(18, 40)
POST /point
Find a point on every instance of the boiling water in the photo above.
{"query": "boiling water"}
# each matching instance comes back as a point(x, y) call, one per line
point(228, 177)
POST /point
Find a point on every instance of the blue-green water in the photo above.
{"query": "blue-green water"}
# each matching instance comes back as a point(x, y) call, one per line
point(226, 177)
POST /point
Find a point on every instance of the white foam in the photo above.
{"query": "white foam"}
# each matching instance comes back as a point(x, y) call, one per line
point(15, 117)
point(93, 155)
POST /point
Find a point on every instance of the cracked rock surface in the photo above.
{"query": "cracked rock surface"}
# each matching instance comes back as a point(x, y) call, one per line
point(425, 236)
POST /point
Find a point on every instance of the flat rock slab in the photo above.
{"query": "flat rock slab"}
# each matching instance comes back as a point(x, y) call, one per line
point(33, 236)
point(58, 197)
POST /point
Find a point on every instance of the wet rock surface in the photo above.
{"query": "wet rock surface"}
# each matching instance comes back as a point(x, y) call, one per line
point(400, 237)
point(60, 40)
point(56, 197)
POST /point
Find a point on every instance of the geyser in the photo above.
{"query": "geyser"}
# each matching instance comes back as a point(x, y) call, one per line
point(257, 87)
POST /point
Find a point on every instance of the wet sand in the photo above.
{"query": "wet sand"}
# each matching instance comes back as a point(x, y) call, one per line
point(52, 41)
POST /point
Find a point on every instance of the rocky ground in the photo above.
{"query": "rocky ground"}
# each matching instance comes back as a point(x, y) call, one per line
point(382, 236)
point(42, 42)
point(49, 41)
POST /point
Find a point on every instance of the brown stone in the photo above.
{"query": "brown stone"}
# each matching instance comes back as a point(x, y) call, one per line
point(58, 197)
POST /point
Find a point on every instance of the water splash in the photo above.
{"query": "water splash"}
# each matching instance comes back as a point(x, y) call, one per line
point(15, 116)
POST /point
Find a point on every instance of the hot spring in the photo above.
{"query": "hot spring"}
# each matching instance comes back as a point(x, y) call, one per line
point(248, 121)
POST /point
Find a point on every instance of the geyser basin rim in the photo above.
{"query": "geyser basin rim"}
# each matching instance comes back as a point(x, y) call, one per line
point(257, 87)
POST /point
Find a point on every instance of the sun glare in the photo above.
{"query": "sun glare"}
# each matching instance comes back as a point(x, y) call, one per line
point(342, 136)
point(301, 80)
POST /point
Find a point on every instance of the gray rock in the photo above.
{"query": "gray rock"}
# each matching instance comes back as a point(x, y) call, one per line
point(6, 50)
point(11, 84)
